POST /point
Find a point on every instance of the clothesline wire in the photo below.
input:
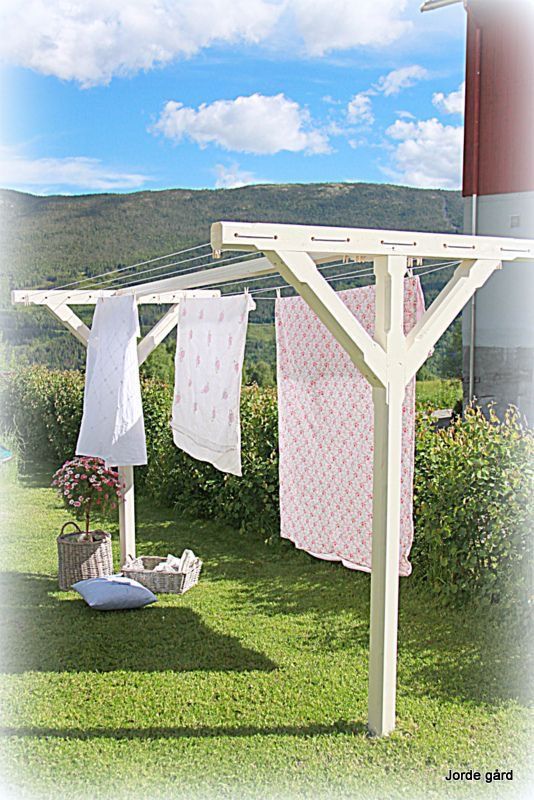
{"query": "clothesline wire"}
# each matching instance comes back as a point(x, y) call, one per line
point(165, 275)
point(321, 269)
point(193, 270)
point(356, 274)
point(132, 266)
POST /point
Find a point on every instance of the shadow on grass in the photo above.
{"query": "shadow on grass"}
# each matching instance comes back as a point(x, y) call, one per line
point(202, 732)
point(442, 653)
point(47, 634)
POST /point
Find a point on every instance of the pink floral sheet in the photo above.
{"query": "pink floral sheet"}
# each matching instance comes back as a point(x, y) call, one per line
point(326, 434)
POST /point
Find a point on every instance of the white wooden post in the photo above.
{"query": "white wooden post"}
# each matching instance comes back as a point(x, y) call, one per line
point(127, 514)
point(387, 401)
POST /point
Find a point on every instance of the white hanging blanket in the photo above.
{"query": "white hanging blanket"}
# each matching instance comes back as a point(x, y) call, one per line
point(209, 362)
point(113, 426)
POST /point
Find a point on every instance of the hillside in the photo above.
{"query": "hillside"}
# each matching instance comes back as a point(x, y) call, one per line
point(49, 241)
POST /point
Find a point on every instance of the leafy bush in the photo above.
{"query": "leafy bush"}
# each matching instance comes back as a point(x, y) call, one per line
point(45, 407)
point(473, 508)
point(472, 481)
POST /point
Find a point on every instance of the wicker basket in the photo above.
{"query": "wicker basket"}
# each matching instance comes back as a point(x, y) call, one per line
point(142, 570)
point(79, 560)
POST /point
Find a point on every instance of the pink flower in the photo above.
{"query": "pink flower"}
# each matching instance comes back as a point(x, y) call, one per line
point(76, 503)
point(206, 388)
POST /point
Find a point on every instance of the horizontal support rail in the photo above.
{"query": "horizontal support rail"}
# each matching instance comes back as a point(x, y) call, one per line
point(81, 297)
point(366, 241)
point(254, 268)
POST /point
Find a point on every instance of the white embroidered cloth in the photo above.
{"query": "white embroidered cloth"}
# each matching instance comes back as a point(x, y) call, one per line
point(326, 434)
point(209, 363)
point(112, 425)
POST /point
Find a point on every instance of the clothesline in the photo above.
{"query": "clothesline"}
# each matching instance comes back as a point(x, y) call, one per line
point(361, 273)
point(134, 266)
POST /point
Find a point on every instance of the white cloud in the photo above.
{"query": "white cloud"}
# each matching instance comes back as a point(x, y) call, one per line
point(399, 79)
point(360, 109)
point(255, 124)
point(94, 40)
point(452, 103)
point(327, 25)
point(77, 172)
point(232, 176)
point(428, 153)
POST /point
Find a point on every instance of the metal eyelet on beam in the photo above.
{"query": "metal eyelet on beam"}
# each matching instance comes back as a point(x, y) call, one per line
point(459, 246)
point(316, 239)
point(398, 244)
point(246, 236)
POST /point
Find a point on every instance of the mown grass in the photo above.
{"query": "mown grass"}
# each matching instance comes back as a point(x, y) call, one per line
point(252, 685)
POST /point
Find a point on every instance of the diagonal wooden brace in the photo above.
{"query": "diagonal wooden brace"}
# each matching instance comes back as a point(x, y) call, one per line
point(157, 334)
point(299, 270)
point(70, 320)
point(468, 277)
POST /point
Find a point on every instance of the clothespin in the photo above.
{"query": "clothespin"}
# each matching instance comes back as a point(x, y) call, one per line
point(409, 266)
point(215, 253)
point(278, 293)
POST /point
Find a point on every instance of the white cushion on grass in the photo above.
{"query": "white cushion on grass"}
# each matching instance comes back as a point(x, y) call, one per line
point(114, 592)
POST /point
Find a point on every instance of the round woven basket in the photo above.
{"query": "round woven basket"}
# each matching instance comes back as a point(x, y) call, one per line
point(82, 559)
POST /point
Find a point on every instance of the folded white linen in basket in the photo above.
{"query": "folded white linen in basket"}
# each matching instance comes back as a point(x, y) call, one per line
point(174, 564)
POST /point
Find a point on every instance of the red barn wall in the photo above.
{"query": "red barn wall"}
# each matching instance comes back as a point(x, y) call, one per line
point(499, 105)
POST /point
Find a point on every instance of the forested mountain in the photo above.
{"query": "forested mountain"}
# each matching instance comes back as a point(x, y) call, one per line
point(49, 241)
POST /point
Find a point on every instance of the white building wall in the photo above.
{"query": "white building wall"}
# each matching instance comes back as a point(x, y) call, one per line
point(504, 317)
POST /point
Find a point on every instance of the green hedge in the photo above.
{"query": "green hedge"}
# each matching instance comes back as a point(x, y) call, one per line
point(473, 481)
point(474, 508)
point(44, 407)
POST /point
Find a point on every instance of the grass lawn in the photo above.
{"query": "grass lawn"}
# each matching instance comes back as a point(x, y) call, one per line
point(252, 685)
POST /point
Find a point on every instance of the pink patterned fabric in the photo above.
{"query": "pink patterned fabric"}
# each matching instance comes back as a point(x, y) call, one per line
point(326, 434)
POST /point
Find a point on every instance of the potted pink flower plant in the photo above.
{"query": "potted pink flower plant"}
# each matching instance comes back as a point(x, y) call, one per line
point(86, 488)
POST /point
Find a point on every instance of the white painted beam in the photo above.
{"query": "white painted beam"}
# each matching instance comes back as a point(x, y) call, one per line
point(82, 297)
point(253, 268)
point(467, 278)
point(300, 271)
point(69, 319)
point(365, 241)
point(157, 333)
point(127, 514)
point(387, 451)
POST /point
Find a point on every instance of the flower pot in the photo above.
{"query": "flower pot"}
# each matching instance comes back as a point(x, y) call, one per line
point(81, 557)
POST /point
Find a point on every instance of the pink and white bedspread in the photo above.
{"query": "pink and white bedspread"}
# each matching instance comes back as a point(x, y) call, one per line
point(326, 434)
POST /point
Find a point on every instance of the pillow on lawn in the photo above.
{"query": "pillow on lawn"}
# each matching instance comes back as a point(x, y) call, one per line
point(114, 592)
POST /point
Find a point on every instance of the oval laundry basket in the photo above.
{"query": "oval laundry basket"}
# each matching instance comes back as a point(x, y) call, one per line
point(81, 559)
point(141, 569)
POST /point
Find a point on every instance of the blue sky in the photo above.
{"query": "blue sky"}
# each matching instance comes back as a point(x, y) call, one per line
point(155, 94)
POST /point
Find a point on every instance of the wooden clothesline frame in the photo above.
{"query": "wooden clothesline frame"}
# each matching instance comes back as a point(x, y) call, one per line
point(389, 361)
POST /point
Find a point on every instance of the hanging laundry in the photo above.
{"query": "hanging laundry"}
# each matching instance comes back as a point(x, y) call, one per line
point(325, 413)
point(207, 390)
point(113, 426)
